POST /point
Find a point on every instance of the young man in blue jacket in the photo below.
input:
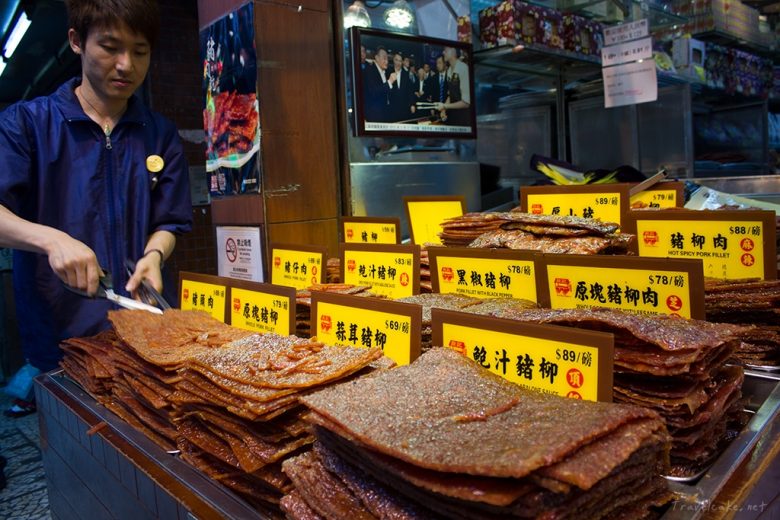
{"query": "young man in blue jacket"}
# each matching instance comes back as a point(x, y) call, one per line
point(90, 177)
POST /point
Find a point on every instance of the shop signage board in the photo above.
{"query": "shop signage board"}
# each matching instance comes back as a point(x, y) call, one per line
point(663, 195)
point(558, 360)
point(425, 215)
point(262, 307)
point(732, 245)
point(371, 230)
point(240, 253)
point(628, 69)
point(353, 321)
point(642, 286)
point(298, 266)
point(202, 292)
point(390, 270)
point(625, 32)
point(607, 202)
point(483, 273)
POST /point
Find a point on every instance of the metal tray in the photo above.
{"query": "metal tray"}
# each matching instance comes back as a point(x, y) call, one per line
point(697, 496)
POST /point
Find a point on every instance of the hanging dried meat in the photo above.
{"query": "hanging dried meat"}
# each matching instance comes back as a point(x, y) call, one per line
point(755, 303)
point(226, 398)
point(443, 438)
point(673, 366)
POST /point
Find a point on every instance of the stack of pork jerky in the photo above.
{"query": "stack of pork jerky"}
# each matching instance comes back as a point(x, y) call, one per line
point(544, 233)
point(228, 398)
point(443, 438)
point(754, 303)
point(674, 366)
point(303, 302)
point(455, 302)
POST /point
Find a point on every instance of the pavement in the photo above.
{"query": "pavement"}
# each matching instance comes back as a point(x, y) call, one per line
point(24, 497)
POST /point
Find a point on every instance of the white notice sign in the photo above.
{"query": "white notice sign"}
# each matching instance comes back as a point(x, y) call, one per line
point(630, 84)
point(626, 52)
point(625, 32)
point(239, 253)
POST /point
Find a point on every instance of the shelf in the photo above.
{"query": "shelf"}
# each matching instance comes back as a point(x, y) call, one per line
point(728, 40)
point(538, 60)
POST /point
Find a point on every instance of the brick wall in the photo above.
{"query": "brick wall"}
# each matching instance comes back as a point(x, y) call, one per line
point(175, 86)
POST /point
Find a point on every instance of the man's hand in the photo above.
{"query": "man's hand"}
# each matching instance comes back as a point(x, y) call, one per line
point(146, 268)
point(391, 79)
point(74, 263)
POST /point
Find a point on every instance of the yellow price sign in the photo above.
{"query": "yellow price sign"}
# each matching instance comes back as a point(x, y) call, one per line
point(483, 273)
point(370, 230)
point(606, 203)
point(297, 266)
point(557, 360)
point(200, 292)
point(642, 286)
point(365, 322)
point(426, 214)
point(262, 308)
point(390, 270)
point(732, 245)
point(663, 195)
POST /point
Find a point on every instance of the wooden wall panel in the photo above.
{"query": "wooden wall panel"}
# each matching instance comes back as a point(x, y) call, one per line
point(211, 10)
point(296, 84)
point(316, 232)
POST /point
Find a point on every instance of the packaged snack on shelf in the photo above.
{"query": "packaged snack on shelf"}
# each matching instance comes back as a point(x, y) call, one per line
point(464, 29)
point(506, 21)
point(488, 31)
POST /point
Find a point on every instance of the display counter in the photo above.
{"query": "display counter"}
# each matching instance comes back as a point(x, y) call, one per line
point(98, 466)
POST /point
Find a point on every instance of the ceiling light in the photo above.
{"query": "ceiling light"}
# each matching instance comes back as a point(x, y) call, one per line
point(399, 15)
point(356, 16)
point(22, 24)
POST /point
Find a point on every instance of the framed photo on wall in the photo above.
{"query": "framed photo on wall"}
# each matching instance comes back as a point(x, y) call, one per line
point(411, 86)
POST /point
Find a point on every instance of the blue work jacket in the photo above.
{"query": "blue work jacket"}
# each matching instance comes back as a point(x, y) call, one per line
point(59, 169)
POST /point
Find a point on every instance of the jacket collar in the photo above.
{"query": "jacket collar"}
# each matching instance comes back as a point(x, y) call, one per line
point(71, 108)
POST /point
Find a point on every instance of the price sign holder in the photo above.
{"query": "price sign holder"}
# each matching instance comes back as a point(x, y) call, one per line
point(608, 202)
point(562, 360)
point(252, 304)
point(354, 321)
point(281, 254)
point(732, 244)
point(664, 195)
point(195, 289)
point(632, 284)
point(425, 215)
point(387, 230)
point(391, 270)
point(484, 273)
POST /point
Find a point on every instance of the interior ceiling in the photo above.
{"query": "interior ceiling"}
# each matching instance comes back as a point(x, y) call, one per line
point(43, 59)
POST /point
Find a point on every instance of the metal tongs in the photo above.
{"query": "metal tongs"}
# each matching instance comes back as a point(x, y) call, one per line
point(106, 290)
point(145, 291)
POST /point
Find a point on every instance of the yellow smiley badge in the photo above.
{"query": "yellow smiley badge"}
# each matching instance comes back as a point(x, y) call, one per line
point(154, 163)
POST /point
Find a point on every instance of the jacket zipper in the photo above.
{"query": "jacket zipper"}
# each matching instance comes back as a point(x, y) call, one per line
point(113, 238)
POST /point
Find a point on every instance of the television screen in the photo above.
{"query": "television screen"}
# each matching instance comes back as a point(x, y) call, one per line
point(411, 86)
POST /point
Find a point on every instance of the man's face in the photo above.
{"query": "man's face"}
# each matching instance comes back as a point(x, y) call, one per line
point(114, 60)
point(406, 63)
point(421, 74)
point(397, 62)
point(362, 53)
point(427, 68)
point(381, 59)
point(449, 54)
point(440, 64)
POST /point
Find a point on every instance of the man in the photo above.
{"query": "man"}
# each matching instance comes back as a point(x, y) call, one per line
point(363, 62)
point(409, 69)
point(458, 102)
point(90, 178)
point(427, 69)
point(421, 90)
point(401, 92)
point(376, 88)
